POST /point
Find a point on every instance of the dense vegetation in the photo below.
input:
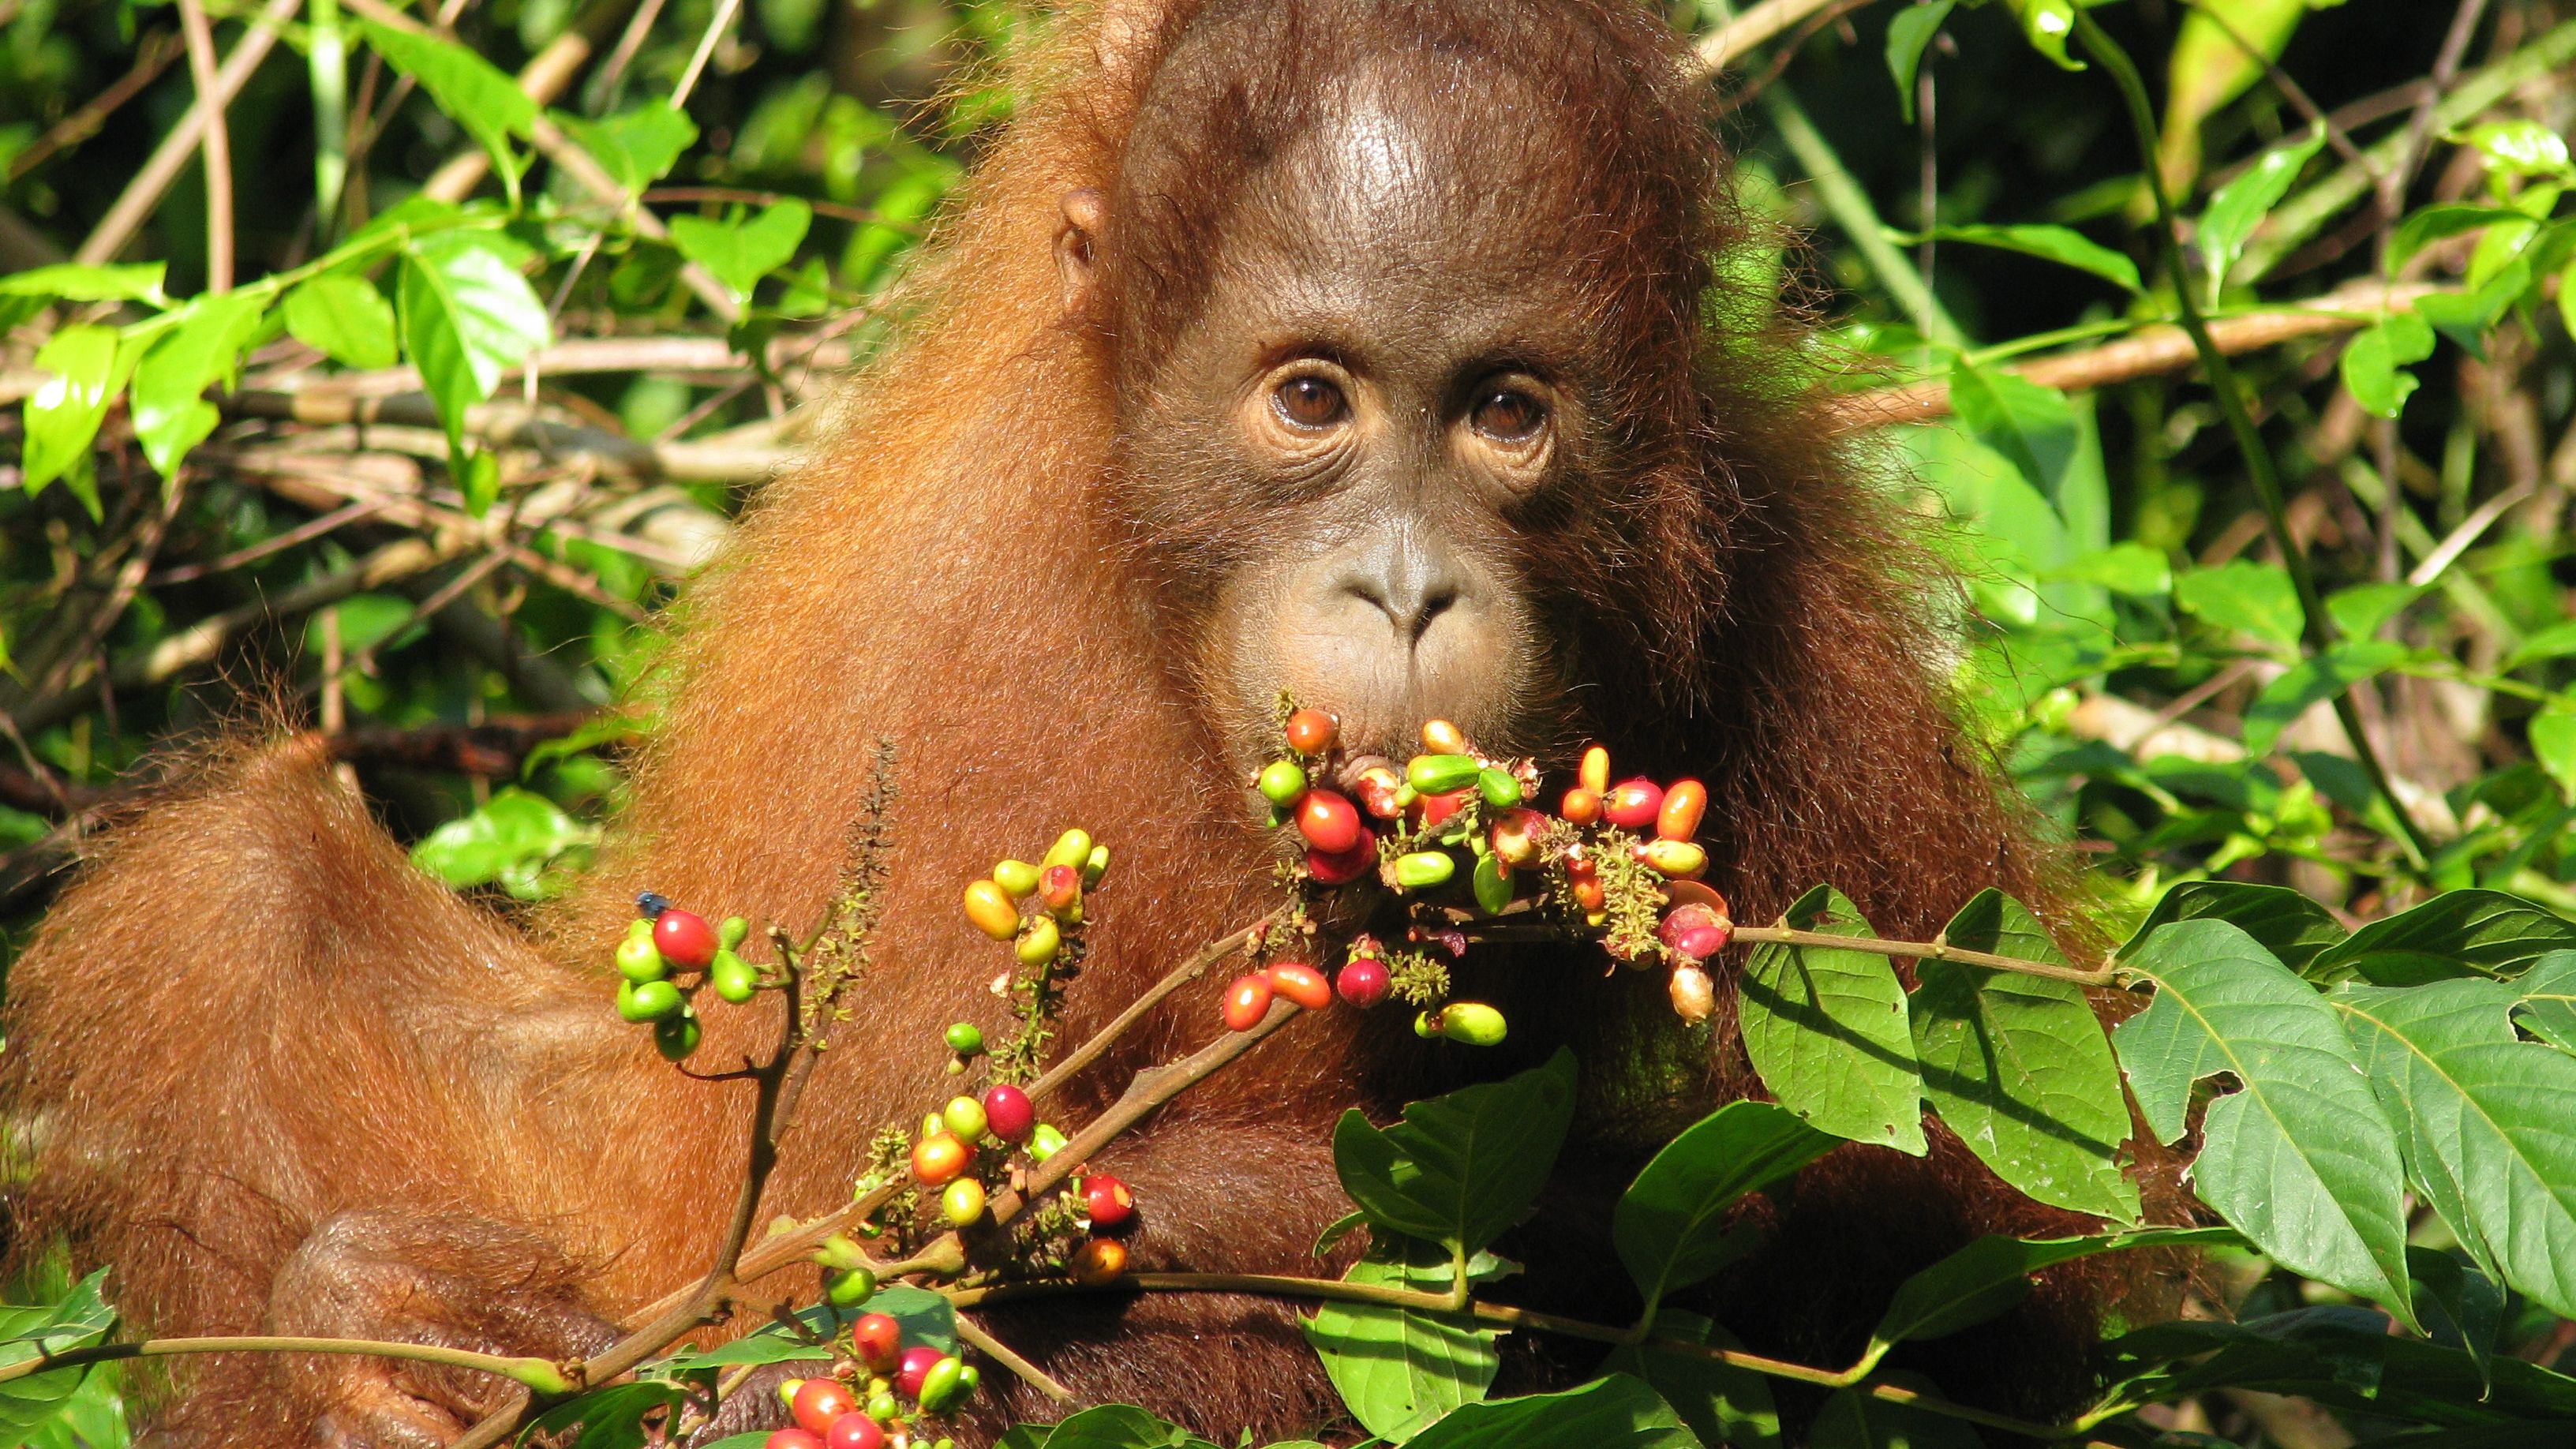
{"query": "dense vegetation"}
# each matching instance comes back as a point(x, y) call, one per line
point(406, 397)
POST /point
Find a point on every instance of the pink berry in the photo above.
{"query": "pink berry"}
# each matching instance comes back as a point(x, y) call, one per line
point(854, 1431)
point(1633, 804)
point(916, 1362)
point(1008, 1113)
point(1350, 865)
point(684, 938)
point(1362, 982)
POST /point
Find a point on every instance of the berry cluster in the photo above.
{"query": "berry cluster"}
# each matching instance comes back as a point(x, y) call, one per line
point(831, 1414)
point(1620, 858)
point(1034, 907)
point(665, 939)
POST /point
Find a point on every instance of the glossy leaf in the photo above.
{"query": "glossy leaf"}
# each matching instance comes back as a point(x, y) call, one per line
point(2374, 363)
point(2063, 245)
point(2298, 1157)
point(1616, 1412)
point(1669, 1227)
point(79, 1320)
point(77, 282)
point(2238, 207)
point(2290, 925)
point(1460, 1168)
point(740, 253)
point(1992, 1274)
point(170, 416)
point(2461, 1307)
point(1826, 1029)
point(473, 92)
point(1118, 1426)
point(63, 413)
point(2019, 1065)
point(2456, 933)
point(1908, 31)
point(2487, 1123)
point(344, 318)
point(1722, 1404)
point(637, 147)
point(1398, 1369)
point(610, 1418)
point(467, 317)
point(2546, 999)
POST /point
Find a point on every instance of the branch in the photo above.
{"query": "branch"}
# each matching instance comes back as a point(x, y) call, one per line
point(143, 194)
point(512, 425)
point(1752, 28)
point(1936, 950)
point(150, 59)
point(534, 1373)
point(1009, 1358)
point(217, 148)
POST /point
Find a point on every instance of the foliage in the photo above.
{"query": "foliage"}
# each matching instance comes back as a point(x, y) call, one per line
point(423, 460)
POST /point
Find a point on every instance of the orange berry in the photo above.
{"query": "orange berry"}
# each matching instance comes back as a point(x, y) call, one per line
point(1684, 803)
point(1581, 806)
point(1099, 1261)
point(1595, 772)
point(1440, 737)
point(1300, 983)
point(1246, 1002)
point(1311, 731)
point(938, 1158)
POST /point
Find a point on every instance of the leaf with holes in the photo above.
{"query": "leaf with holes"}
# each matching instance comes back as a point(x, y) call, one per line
point(2019, 1066)
point(1826, 1028)
point(2456, 933)
point(2298, 1158)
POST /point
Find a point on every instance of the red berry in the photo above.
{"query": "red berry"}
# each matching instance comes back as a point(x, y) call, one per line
point(1363, 981)
point(1300, 983)
point(1246, 1002)
point(1107, 1200)
point(1347, 866)
point(1581, 806)
point(684, 938)
point(916, 1361)
point(1437, 808)
point(879, 1340)
point(819, 1402)
point(1060, 886)
point(1683, 805)
point(1008, 1113)
point(792, 1439)
point(1311, 731)
point(1330, 822)
point(854, 1431)
point(1377, 786)
point(1633, 804)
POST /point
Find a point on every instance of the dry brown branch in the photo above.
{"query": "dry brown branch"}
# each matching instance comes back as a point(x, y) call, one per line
point(217, 145)
point(1752, 28)
point(141, 195)
point(511, 425)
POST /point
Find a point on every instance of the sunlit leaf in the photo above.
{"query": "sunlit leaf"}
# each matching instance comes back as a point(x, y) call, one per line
point(1990, 1275)
point(1397, 1369)
point(1722, 1404)
point(2246, 597)
point(206, 346)
point(1616, 1412)
point(2374, 362)
point(2238, 207)
point(2029, 424)
point(2292, 926)
point(467, 317)
point(1460, 1168)
point(2063, 245)
point(1826, 1029)
point(471, 91)
point(344, 318)
point(2314, 681)
point(740, 253)
point(62, 414)
point(2456, 933)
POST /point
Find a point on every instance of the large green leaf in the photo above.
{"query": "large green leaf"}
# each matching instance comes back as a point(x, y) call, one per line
point(1398, 1369)
point(1826, 1029)
point(467, 317)
point(1460, 1168)
point(2287, 923)
point(62, 414)
point(740, 253)
point(636, 147)
point(2238, 207)
point(344, 318)
point(1858, 1419)
point(2030, 425)
point(170, 416)
point(2298, 1157)
point(1118, 1426)
point(2548, 999)
point(471, 91)
point(510, 839)
point(2246, 597)
point(1617, 1412)
point(2456, 933)
point(82, 1318)
point(1669, 1227)
point(2019, 1065)
point(2487, 1122)
point(1722, 1404)
point(1992, 1274)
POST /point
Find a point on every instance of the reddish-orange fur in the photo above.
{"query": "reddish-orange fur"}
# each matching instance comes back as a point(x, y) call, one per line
point(251, 1019)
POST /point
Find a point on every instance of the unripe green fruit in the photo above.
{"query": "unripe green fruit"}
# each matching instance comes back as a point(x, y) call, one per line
point(1472, 1023)
point(1499, 788)
point(965, 1038)
point(1039, 943)
point(1440, 774)
point(1426, 1024)
point(945, 1386)
point(787, 1391)
point(1071, 848)
point(733, 932)
point(1094, 866)
point(962, 1202)
point(849, 1289)
point(964, 1117)
point(1493, 886)
point(1424, 868)
point(733, 978)
point(648, 1000)
point(639, 929)
point(677, 1037)
point(638, 960)
point(1045, 1142)
point(1282, 783)
point(883, 1407)
point(1016, 876)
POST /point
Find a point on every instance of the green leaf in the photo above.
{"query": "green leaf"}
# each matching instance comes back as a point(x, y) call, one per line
point(2461, 1307)
point(2238, 207)
point(170, 417)
point(2548, 999)
point(63, 413)
point(2030, 425)
point(2019, 1066)
point(1859, 1419)
point(2246, 597)
point(2487, 1123)
point(2553, 742)
point(2422, 228)
point(2298, 1157)
point(1717, 1401)
point(2287, 923)
point(1118, 1426)
point(366, 621)
point(610, 1418)
point(1908, 32)
point(2555, 642)
point(345, 319)
point(1992, 1274)
point(510, 839)
point(2063, 245)
point(474, 93)
point(82, 1318)
point(740, 253)
point(2456, 933)
point(637, 147)
point(1826, 1030)
point(467, 317)
point(2374, 362)
point(1616, 1412)
point(2046, 24)
point(74, 282)
point(1460, 1168)
point(2133, 569)
point(1398, 1369)
point(1669, 1227)
point(2519, 147)
point(2313, 681)
point(2359, 611)
point(770, 1345)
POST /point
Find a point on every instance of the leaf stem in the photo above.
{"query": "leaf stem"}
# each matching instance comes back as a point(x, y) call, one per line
point(538, 1374)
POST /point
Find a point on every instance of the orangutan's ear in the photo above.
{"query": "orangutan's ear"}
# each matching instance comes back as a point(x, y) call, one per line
point(1084, 212)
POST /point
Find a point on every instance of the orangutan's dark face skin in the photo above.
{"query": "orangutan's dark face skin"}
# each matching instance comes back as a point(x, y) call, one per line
point(1391, 361)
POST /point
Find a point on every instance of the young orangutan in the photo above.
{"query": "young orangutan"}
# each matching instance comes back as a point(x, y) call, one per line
point(1369, 350)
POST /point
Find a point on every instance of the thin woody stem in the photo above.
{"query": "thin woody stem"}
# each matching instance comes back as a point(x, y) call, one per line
point(535, 1373)
point(1929, 950)
point(1002, 1353)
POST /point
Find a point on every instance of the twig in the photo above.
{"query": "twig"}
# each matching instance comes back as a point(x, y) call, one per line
point(603, 86)
point(150, 59)
point(1003, 1354)
point(1935, 950)
point(216, 147)
point(143, 194)
point(511, 425)
point(716, 25)
point(532, 1372)
point(304, 532)
point(2291, 90)
point(1752, 28)
point(2419, 127)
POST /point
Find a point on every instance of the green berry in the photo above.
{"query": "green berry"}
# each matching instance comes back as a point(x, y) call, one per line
point(1471, 1022)
point(732, 933)
point(850, 1288)
point(965, 1038)
point(639, 960)
point(676, 1037)
point(1045, 1142)
point(648, 1000)
point(1440, 774)
point(733, 978)
point(883, 1407)
point(1282, 782)
point(1094, 866)
point(964, 1117)
point(1424, 868)
point(943, 1387)
point(1493, 887)
point(1016, 876)
point(1499, 788)
point(1039, 943)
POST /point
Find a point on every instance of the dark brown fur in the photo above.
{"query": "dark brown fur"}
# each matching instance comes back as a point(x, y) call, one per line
point(258, 1059)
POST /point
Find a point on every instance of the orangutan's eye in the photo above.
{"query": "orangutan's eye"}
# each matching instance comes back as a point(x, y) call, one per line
point(1311, 402)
